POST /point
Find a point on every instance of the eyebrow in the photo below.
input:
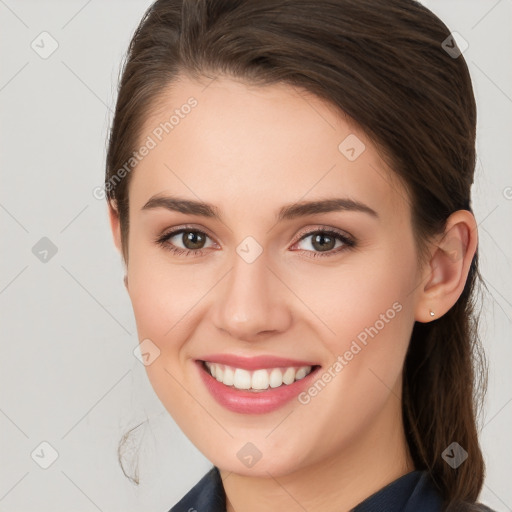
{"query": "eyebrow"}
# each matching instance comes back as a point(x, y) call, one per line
point(287, 212)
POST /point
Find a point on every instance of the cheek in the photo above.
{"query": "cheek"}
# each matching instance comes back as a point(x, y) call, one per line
point(152, 303)
point(167, 301)
point(362, 377)
point(161, 304)
point(367, 292)
point(162, 294)
point(369, 311)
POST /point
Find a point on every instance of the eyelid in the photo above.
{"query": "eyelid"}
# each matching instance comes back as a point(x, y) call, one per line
point(323, 228)
point(181, 227)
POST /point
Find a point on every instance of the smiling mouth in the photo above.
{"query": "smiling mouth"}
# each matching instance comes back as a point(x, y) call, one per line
point(257, 380)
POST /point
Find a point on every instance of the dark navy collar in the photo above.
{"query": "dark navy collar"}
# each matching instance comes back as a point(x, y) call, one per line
point(207, 495)
point(413, 492)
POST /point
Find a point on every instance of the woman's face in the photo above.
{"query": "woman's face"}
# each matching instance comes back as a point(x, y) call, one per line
point(267, 277)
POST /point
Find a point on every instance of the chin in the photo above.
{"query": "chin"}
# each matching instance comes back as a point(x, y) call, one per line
point(265, 462)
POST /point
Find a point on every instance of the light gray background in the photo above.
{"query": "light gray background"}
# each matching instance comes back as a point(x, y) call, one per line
point(68, 374)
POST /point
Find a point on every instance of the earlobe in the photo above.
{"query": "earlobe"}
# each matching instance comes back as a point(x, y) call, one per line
point(448, 268)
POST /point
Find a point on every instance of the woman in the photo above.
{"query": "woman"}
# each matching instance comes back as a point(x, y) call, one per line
point(289, 186)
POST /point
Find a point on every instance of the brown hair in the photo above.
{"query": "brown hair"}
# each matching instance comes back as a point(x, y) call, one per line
point(382, 63)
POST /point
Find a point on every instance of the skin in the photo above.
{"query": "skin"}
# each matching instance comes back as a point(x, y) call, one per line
point(250, 150)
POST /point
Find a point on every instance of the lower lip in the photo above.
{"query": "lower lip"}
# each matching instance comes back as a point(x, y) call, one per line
point(253, 402)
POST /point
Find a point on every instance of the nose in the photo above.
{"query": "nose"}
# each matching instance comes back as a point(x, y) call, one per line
point(252, 302)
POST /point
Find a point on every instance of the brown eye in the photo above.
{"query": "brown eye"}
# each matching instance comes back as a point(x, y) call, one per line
point(193, 239)
point(184, 241)
point(325, 243)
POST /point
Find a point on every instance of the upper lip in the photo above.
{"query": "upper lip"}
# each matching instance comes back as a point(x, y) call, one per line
point(255, 362)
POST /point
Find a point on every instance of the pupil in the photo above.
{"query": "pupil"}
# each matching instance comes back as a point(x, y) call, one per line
point(319, 238)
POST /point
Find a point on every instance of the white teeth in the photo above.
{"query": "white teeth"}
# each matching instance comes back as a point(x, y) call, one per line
point(229, 376)
point(259, 379)
point(242, 379)
point(276, 378)
point(289, 376)
point(301, 373)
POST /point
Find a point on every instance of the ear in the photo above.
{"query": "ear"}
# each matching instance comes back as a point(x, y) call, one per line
point(115, 224)
point(445, 275)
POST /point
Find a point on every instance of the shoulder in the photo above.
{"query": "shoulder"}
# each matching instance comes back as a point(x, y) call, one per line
point(426, 488)
point(207, 494)
point(414, 492)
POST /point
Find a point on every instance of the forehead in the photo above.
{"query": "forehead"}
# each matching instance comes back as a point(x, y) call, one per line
point(228, 142)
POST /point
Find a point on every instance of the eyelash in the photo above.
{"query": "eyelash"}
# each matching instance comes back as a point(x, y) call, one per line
point(348, 243)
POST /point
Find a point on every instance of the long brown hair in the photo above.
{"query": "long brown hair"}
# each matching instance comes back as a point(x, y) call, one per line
point(383, 63)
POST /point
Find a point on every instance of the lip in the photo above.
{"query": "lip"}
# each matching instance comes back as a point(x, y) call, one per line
point(256, 362)
point(254, 402)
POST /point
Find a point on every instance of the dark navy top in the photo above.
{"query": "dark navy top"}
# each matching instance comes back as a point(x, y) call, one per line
point(413, 492)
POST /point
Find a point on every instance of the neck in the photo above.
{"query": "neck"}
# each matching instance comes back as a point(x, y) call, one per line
point(338, 483)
